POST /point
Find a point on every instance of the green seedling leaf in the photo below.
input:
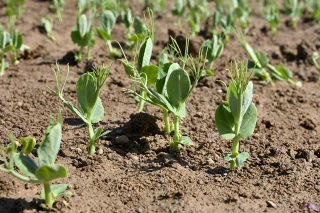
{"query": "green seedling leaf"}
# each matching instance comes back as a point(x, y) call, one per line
point(263, 58)
point(241, 158)
point(151, 72)
point(249, 122)
point(50, 172)
point(86, 88)
point(82, 25)
point(107, 21)
point(178, 86)
point(285, 72)
point(129, 68)
point(57, 190)
point(145, 52)
point(247, 98)
point(49, 148)
point(139, 26)
point(182, 113)
point(97, 112)
point(8, 48)
point(162, 77)
point(97, 133)
point(25, 164)
point(185, 140)
point(225, 121)
point(28, 143)
point(103, 34)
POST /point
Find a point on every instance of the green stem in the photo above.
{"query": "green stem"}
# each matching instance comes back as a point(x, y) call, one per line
point(166, 121)
point(92, 142)
point(176, 138)
point(48, 195)
point(211, 65)
point(109, 46)
point(141, 101)
point(2, 66)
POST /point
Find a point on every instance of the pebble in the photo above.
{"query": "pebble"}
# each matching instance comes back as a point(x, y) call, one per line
point(122, 140)
point(303, 153)
point(78, 150)
point(100, 151)
point(318, 182)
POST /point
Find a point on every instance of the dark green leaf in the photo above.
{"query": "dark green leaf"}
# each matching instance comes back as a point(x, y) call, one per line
point(48, 150)
point(103, 34)
point(107, 21)
point(225, 121)
point(86, 88)
point(50, 172)
point(248, 122)
point(25, 164)
point(263, 58)
point(145, 53)
point(152, 73)
point(178, 86)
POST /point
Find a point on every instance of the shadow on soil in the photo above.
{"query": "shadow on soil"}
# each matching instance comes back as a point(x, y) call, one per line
point(9, 205)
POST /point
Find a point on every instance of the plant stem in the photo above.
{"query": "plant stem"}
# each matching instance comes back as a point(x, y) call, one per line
point(92, 143)
point(166, 121)
point(109, 46)
point(47, 193)
point(174, 144)
point(2, 66)
point(141, 101)
point(234, 151)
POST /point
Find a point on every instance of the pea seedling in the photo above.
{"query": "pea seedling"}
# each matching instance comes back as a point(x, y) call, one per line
point(260, 66)
point(90, 109)
point(173, 87)
point(57, 7)
point(48, 25)
point(82, 35)
point(178, 10)
point(5, 47)
point(107, 22)
point(16, 42)
point(212, 49)
point(236, 118)
point(45, 171)
point(272, 15)
point(293, 9)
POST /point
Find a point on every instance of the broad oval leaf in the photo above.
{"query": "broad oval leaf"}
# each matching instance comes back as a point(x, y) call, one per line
point(247, 98)
point(145, 52)
point(25, 164)
point(225, 121)
point(82, 25)
point(152, 73)
point(185, 140)
point(103, 34)
point(178, 86)
point(97, 112)
point(263, 58)
point(28, 144)
point(48, 150)
point(50, 172)
point(86, 88)
point(107, 21)
point(248, 122)
point(241, 158)
point(162, 77)
point(139, 26)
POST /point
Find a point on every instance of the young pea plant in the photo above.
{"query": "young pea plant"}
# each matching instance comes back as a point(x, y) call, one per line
point(293, 9)
point(315, 57)
point(48, 25)
point(90, 109)
point(236, 118)
point(178, 10)
point(241, 14)
point(45, 171)
point(211, 50)
point(272, 15)
point(16, 42)
point(5, 47)
point(107, 22)
point(82, 35)
point(14, 10)
point(261, 67)
point(173, 87)
point(57, 7)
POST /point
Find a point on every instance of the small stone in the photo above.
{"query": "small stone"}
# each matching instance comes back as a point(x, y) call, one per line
point(139, 210)
point(281, 202)
point(210, 161)
point(200, 182)
point(122, 140)
point(271, 204)
point(100, 151)
point(318, 182)
point(291, 153)
point(78, 150)
point(133, 157)
point(309, 124)
point(20, 103)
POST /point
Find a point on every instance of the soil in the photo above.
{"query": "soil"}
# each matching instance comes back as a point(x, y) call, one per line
point(133, 170)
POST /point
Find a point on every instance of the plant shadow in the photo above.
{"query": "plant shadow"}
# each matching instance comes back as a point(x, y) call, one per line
point(11, 205)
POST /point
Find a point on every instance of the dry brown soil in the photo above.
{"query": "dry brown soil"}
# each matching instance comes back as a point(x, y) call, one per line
point(140, 175)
